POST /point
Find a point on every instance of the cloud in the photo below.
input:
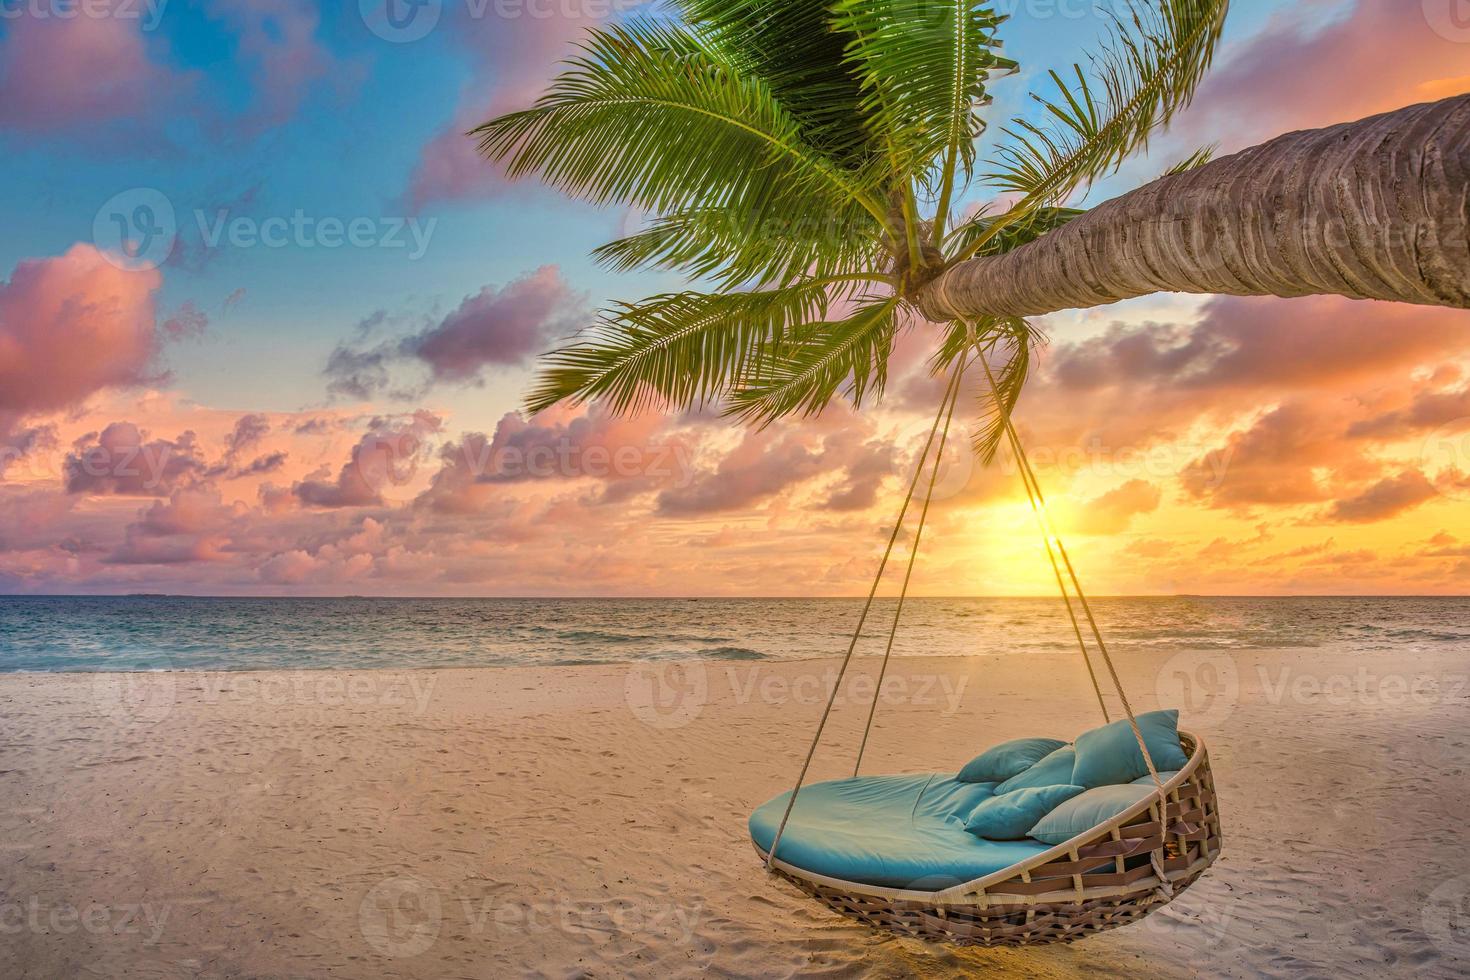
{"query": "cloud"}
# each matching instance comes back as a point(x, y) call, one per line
point(1256, 343)
point(261, 465)
point(1275, 461)
point(192, 526)
point(73, 74)
point(510, 63)
point(122, 461)
point(627, 456)
point(863, 478)
point(71, 326)
point(187, 321)
point(277, 38)
point(759, 468)
point(502, 327)
point(1113, 511)
point(498, 327)
point(1429, 409)
point(248, 431)
point(386, 457)
point(1299, 73)
point(1387, 498)
point(104, 69)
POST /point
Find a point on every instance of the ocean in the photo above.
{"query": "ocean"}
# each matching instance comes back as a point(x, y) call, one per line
point(175, 633)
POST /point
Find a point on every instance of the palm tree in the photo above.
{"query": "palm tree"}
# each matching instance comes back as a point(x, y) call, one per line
point(806, 161)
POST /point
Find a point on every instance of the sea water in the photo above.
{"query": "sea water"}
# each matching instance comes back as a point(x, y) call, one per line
point(45, 633)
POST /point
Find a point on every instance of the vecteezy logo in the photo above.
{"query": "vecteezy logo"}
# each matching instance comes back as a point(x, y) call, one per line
point(1206, 686)
point(387, 463)
point(1446, 454)
point(136, 229)
point(1446, 917)
point(401, 916)
point(400, 21)
point(1450, 19)
point(667, 695)
point(134, 698)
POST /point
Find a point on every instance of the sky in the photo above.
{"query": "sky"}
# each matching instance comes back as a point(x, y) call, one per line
point(305, 378)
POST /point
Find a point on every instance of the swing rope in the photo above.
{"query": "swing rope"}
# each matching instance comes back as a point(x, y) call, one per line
point(946, 408)
point(903, 592)
point(1049, 537)
point(1049, 532)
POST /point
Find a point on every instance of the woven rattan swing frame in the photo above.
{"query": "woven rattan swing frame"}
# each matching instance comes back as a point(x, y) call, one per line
point(1110, 875)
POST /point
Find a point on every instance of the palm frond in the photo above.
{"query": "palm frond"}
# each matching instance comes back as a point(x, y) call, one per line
point(1147, 72)
point(779, 250)
point(674, 350)
point(924, 70)
point(1013, 342)
point(795, 49)
point(650, 115)
point(1198, 158)
point(995, 235)
point(819, 361)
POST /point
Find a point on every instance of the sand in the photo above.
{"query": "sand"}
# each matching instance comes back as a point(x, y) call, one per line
point(590, 821)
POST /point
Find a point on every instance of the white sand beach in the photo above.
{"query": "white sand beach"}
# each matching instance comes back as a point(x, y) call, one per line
point(568, 822)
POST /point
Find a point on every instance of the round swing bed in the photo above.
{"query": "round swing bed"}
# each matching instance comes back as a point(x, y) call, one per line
point(1014, 893)
point(948, 858)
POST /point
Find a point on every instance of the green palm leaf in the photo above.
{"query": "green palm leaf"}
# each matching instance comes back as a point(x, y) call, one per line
point(794, 47)
point(1148, 71)
point(652, 116)
point(924, 73)
point(994, 235)
point(820, 361)
point(674, 350)
point(1013, 342)
point(778, 250)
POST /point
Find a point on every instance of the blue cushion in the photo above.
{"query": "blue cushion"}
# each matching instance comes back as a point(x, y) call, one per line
point(1164, 777)
point(1007, 759)
point(1110, 755)
point(895, 831)
point(1011, 815)
point(1083, 811)
point(1054, 770)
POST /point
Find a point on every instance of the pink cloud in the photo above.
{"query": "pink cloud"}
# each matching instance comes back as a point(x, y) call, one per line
point(70, 326)
point(838, 453)
point(1294, 74)
point(561, 445)
point(494, 327)
point(123, 461)
point(503, 326)
point(1147, 383)
point(192, 526)
point(104, 64)
point(511, 62)
point(387, 457)
point(71, 73)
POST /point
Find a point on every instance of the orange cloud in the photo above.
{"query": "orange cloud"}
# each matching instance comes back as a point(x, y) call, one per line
point(1295, 74)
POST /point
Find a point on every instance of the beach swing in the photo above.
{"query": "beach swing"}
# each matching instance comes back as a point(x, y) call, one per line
point(894, 853)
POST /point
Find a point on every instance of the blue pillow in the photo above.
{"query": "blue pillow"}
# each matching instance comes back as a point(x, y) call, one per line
point(1010, 816)
point(1083, 811)
point(1164, 777)
point(1054, 770)
point(1110, 755)
point(997, 764)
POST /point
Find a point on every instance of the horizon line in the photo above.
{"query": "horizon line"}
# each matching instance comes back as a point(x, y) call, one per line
point(728, 598)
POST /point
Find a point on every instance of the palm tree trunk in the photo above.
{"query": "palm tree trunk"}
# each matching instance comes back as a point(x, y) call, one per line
point(1375, 209)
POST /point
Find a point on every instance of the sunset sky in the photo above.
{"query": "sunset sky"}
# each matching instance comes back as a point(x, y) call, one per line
point(308, 381)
